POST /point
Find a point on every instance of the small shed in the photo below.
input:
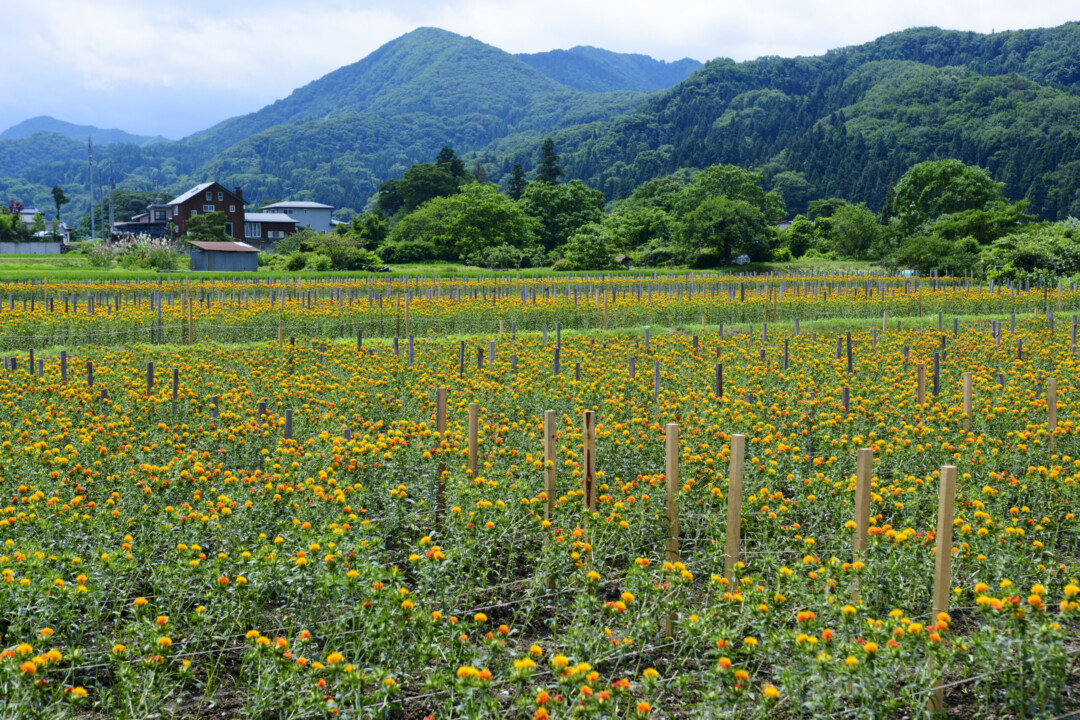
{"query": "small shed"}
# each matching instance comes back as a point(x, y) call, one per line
point(223, 257)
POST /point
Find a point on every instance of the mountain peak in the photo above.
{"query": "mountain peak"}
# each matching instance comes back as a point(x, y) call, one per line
point(46, 123)
point(428, 70)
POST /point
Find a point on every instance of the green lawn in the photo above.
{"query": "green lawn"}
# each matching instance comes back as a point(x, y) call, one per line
point(74, 266)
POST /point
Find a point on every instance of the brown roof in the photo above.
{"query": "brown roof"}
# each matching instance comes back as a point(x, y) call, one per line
point(223, 246)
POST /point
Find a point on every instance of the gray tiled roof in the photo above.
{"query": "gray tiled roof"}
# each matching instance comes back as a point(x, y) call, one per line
point(191, 193)
point(299, 204)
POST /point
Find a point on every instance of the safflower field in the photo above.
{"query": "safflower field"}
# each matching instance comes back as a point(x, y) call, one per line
point(538, 498)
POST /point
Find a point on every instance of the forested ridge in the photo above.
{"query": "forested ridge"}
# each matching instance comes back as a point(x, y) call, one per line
point(592, 69)
point(853, 120)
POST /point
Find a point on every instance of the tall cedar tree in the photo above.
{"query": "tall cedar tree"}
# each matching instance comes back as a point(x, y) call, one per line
point(548, 170)
point(516, 187)
point(449, 160)
point(59, 198)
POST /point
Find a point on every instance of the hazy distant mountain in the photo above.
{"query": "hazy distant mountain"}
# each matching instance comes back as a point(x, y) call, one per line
point(591, 69)
point(44, 123)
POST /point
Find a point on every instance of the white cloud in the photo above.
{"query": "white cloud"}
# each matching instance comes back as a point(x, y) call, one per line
point(175, 68)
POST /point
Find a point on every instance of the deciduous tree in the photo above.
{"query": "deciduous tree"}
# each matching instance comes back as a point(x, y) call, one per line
point(468, 221)
point(727, 227)
point(939, 187)
point(561, 209)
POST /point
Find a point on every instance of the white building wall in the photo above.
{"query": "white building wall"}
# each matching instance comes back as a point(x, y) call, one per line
point(317, 219)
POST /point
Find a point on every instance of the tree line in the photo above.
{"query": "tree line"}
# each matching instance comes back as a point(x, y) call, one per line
point(942, 215)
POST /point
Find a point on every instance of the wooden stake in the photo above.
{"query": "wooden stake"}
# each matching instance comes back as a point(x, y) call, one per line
point(589, 441)
point(440, 483)
point(734, 505)
point(864, 469)
point(920, 389)
point(671, 506)
point(943, 561)
point(605, 306)
point(549, 462)
point(191, 324)
point(474, 437)
point(1051, 410)
point(967, 401)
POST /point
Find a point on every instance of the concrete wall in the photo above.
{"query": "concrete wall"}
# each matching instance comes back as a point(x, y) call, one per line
point(30, 248)
point(317, 219)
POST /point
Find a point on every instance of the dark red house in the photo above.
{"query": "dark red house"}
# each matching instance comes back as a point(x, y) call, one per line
point(207, 198)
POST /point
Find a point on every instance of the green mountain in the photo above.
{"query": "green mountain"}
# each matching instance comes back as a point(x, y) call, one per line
point(338, 137)
point(371, 120)
point(591, 69)
point(427, 72)
point(853, 120)
point(46, 124)
point(22, 155)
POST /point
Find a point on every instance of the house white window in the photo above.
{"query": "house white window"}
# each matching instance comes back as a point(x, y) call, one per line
point(194, 212)
point(275, 234)
point(228, 229)
point(220, 196)
point(232, 208)
point(253, 230)
point(209, 195)
point(208, 208)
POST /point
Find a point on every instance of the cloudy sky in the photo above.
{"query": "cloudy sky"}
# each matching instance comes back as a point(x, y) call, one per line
point(174, 68)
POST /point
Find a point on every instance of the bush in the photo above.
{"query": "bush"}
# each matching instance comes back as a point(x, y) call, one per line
point(563, 265)
point(411, 251)
point(707, 260)
point(142, 252)
point(656, 255)
point(319, 263)
point(100, 255)
point(296, 262)
point(591, 247)
point(929, 253)
point(503, 257)
point(1045, 254)
point(782, 254)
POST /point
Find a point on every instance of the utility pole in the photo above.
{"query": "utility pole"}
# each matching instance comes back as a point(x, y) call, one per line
point(112, 186)
point(101, 196)
point(90, 146)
